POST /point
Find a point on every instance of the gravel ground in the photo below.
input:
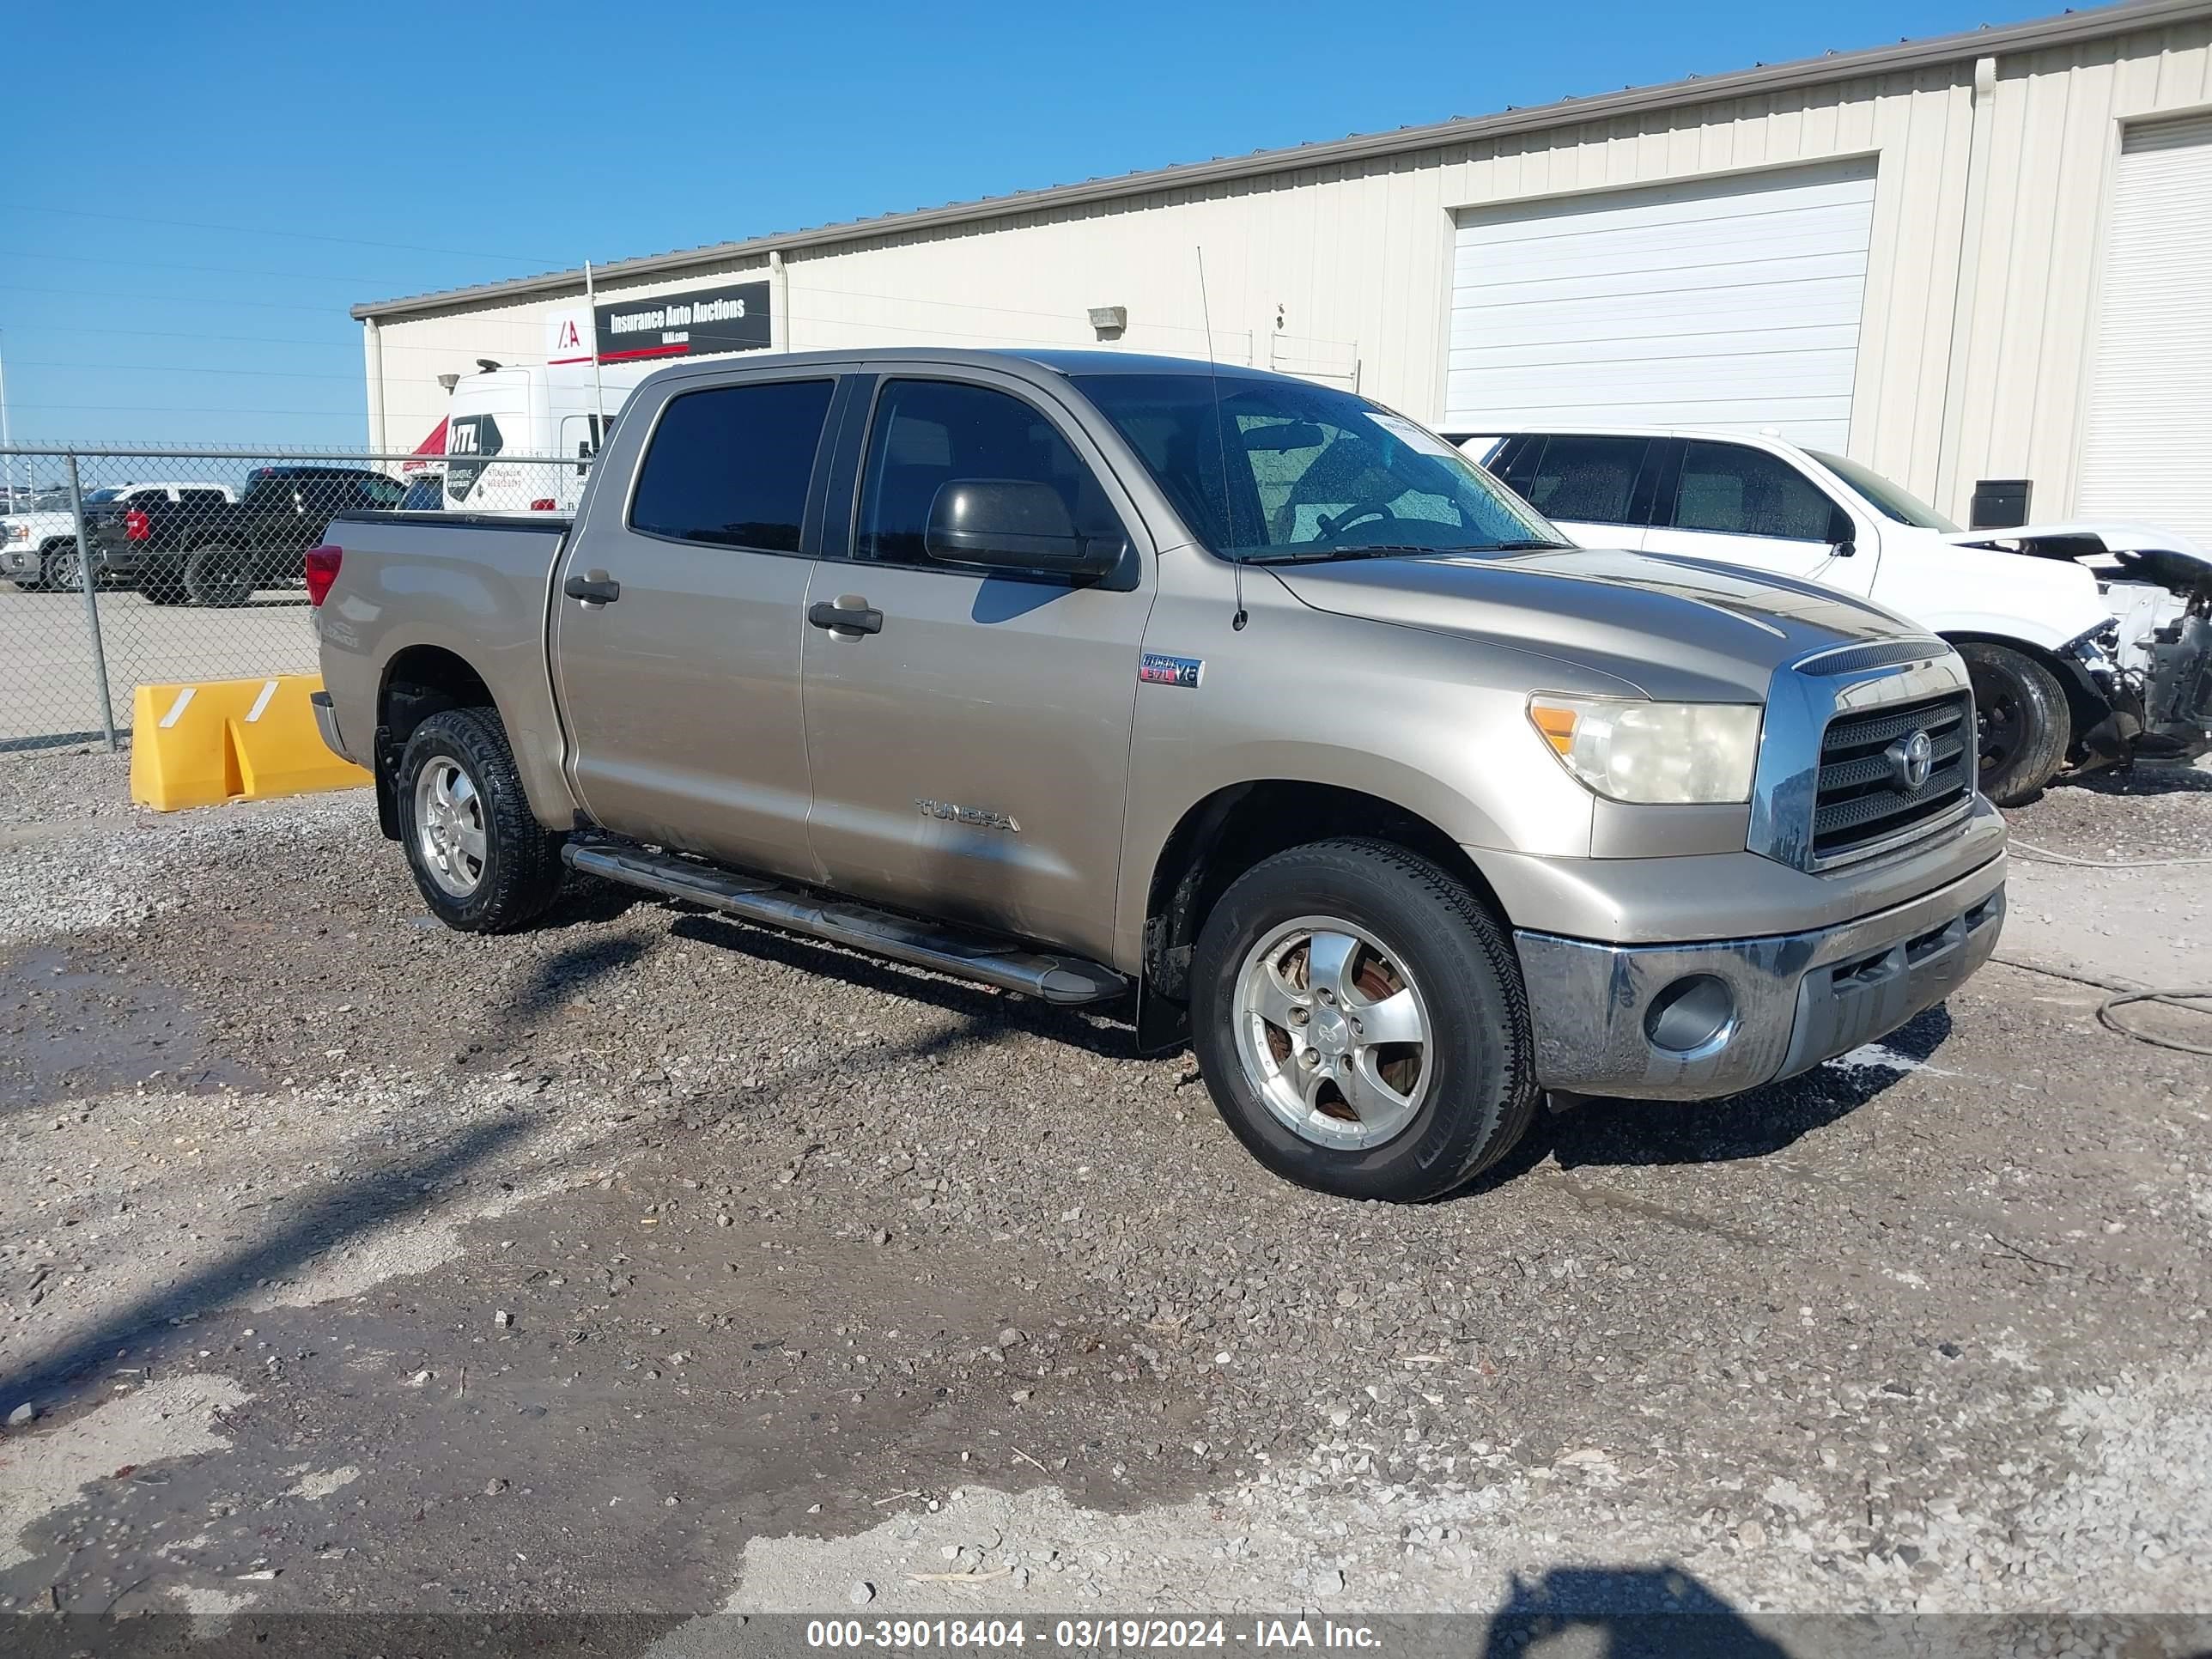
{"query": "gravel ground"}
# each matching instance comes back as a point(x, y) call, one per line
point(648, 1263)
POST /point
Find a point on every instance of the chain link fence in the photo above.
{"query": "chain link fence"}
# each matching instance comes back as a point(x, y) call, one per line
point(121, 568)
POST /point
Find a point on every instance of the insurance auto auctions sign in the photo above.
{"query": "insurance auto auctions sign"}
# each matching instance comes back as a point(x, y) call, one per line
point(688, 324)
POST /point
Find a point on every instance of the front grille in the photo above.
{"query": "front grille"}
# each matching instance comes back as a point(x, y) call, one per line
point(1863, 801)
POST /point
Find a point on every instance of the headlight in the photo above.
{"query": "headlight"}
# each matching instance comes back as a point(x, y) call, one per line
point(1674, 754)
point(2100, 647)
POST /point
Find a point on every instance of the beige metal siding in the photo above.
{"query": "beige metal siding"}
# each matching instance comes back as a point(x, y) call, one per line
point(2055, 128)
point(1343, 271)
point(2148, 452)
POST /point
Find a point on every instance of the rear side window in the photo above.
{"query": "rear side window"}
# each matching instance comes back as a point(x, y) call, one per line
point(1735, 491)
point(203, 498)
point(1586, 480)
point(731, 465)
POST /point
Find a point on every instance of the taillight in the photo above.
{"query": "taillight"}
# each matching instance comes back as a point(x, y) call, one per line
point(543, 504)
point(135, 527)
point(322, 570)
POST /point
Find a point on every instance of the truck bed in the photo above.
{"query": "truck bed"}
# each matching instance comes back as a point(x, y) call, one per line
point(472, 588)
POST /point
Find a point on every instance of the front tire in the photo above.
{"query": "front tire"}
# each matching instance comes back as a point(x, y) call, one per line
point(60, 571)
point(2023, 722)
point(1360, 1022)
point(482, 861)
point(219, 575)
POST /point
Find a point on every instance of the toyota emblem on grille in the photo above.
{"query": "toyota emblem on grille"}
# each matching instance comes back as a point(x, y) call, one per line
point(1910, 759)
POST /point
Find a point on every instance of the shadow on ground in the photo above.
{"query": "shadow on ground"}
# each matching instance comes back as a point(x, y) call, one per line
point(2153, 779)
point(1100, 1034)
point(1633, 1613)
point(1755, 1124)
point(348, 1207)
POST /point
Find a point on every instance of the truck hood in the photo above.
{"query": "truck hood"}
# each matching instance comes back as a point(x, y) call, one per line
point(46, 524)
point(1673, 628)
point(2112, 552)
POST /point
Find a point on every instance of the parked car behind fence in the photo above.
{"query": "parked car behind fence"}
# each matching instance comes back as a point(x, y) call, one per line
point(248, 514)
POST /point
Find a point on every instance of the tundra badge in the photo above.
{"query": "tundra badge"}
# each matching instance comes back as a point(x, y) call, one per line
point(981, 817)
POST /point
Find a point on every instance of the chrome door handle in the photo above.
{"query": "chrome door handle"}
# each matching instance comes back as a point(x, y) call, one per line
point(850, 615)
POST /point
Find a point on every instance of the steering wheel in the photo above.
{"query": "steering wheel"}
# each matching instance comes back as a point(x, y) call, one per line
point(1332, 527)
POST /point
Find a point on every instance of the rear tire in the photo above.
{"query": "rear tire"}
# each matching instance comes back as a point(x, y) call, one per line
point(482, 861)
point(1451, 1104)
point(2023, 721)
point(219, 575)
point(162, 589)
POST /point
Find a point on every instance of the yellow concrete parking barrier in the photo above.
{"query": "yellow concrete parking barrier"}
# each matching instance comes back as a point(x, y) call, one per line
point(219, 740)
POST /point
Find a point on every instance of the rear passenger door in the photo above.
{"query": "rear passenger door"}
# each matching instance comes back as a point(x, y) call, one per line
point(677, 614)
point(1595, 489)
point(969, 749)
point(1738, 504)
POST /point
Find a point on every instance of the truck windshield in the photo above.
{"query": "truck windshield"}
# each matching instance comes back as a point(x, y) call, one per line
point(1311, 473)
point(1891, 500)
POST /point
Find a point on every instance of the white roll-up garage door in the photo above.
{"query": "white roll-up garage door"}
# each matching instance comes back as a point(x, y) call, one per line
point(2147, 455)
point(1729, 303)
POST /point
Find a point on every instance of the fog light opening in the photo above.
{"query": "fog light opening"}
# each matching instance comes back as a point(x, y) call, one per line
point(1692, 1018)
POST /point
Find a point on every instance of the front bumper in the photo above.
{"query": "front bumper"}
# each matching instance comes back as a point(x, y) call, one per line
point(20, 559)
point(1793, 999)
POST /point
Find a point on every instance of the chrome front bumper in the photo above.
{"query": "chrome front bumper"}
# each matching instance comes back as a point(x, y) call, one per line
point(1793, 999)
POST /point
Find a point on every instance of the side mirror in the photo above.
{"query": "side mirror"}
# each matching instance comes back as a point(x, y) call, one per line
point(1842, 538)
point(1013, 525)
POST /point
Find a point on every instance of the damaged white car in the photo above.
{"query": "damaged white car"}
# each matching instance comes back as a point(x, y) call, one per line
point(2090, 645)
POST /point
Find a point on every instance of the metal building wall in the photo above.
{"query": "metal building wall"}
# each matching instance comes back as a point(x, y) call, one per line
point(1989, 212)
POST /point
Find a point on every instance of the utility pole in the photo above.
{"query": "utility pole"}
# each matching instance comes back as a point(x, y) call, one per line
point(599, 390)
point(7, 437)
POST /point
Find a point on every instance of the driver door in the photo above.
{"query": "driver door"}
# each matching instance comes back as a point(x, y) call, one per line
point(969, 749)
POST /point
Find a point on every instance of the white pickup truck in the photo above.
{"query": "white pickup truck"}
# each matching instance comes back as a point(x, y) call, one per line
point(2095, 651)
point(37, 541)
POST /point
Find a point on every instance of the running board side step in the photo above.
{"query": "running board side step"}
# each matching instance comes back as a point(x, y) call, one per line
point(1010, 966)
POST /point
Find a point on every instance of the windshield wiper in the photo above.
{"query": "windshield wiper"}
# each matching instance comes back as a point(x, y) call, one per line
point(1377, 550)
point(1527, 544)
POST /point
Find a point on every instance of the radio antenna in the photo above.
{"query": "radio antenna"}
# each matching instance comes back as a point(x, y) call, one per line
point(1220, 439)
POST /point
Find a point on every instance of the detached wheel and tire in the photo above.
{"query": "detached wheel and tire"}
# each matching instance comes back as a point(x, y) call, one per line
point(2023, 722)
point(218, 575)
point(482, 861)
point(1360, 1022)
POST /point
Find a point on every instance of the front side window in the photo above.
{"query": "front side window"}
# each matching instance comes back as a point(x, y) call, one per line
point(1735, 491)
point(927, 433)
point(731, 465)
point(1271, 469)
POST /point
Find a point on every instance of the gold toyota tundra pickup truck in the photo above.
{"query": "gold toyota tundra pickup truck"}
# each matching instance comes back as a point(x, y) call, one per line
point(1239, 705)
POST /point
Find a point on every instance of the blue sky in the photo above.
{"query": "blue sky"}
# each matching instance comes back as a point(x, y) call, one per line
point(197, 194)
